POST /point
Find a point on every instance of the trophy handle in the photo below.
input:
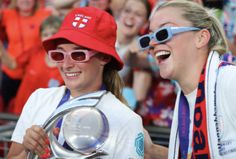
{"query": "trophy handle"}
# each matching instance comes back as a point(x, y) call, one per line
point(96, 154)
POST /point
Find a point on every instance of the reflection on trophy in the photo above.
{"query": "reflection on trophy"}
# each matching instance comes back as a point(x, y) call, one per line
point(85, 129)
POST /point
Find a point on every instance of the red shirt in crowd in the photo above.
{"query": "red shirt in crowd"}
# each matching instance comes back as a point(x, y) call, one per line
point(23, 34)
point(38, 75)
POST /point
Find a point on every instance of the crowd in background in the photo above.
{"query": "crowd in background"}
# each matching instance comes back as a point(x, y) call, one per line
point(25, 66)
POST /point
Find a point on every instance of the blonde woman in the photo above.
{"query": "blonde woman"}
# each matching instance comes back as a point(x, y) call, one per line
point(187, 41)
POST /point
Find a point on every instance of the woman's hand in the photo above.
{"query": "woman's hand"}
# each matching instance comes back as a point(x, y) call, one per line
point(153, 151)
point(37, 141)
point(6, 58)
point(136, 58)
point(1, 49)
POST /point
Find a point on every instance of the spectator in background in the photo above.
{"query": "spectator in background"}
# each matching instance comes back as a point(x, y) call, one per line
point(116, 7)
point(101, 4)
point(229, 22)
point(4, 4)
point(40, 71)
point(133, 17)
point(61, 7)
point(157, 106)
point(22, 29)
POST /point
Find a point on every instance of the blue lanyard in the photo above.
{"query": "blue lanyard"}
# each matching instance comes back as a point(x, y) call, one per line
point(183, 125)
point(65, 98)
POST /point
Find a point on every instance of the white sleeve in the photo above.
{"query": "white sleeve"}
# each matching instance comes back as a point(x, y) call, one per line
point(229, 91)
point(40, 105)
point(25, 120)
point(130, 141)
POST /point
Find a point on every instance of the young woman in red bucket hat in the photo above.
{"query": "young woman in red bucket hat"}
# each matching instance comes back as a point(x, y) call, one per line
point(84, 51)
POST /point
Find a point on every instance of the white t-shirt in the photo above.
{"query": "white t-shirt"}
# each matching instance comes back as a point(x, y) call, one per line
point(191, 98)
point(125, 140)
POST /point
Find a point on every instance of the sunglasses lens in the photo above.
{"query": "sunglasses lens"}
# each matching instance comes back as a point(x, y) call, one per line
point(78, 56)
point(144, 41)
point(162, 35)
point(57, 56)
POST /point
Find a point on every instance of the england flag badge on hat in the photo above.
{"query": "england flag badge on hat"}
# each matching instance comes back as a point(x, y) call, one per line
point(80, 21)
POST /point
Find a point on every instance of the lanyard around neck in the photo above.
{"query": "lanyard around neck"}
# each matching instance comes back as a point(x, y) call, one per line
point(65, 97)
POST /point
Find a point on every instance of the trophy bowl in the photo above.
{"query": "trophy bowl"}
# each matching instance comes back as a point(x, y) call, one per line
point(85, 129)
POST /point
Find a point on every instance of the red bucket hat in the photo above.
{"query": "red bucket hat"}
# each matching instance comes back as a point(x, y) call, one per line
point(91, 28)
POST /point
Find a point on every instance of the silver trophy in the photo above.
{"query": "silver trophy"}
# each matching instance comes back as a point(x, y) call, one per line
point(85, 129)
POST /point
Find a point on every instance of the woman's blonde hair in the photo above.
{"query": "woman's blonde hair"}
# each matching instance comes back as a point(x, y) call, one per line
point(113, 83)
point(202, 18)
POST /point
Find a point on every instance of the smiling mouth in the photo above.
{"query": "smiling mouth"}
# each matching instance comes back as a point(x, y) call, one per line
point(128, 24)
point(71, 74)
point(162, 55)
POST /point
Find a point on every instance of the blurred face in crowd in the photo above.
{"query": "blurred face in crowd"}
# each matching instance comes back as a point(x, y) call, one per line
point(47, 32)
point(101, 4)
point(26, 5)
point(132, 18)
